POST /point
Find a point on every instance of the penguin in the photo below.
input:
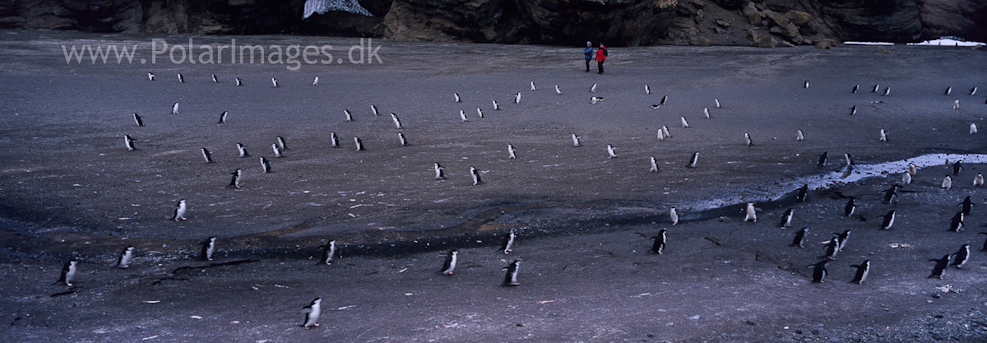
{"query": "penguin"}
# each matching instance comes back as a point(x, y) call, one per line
point(884, 136)
point(853, 110)
point(751, 213)
point(349, 115)
point(985, 242)
point(462, 116)
point(222, 117)
point(803, 193)
point(174, 108)
point(961, 256)
point(181, 79)
point(517, 98)
point(312, 312)
point(440, 172)
point(661, 135)
point(947, 182)
point(180, 210)
point(799, 137)
point(508, 242)
point(495, 106)
point(948, 90)
point(654, 164)
point(957, 167)
point(359, 143)
point(265, 165)
point(956, 223)
point(479, 112)
point(786, 219)
point(316, 81)
point(906, 178)
point(832, 248)
point(140, 122)
point(557, 90)
point(274, 82)
point(456, 95)
point(510, 279)
point(863, 270)
point(685, 124)
point(67, 275)
point(717, 101)
point(476, 176)
point(888, 220)
point(575, 140)
point(891, 194)
point(277, 151)
point(150, 76)
point(129, 142)
point(664, 99)
point(747, 139)
point(887, 91)
point(940, 268)
point(973, 90)
point(511, 153)
point(664, 129)
point(593, 89)
point(912, 169)
point(806, 84)
point(208, 248)
point(978, 181)
point(956, 104)
point(397, 122)
point(967, 205)
point(333, 140)
point(843, 238)
point(819, 271)
point(854, 90)
point(848, 158)
point(450, 264)
point(823, 158)
point(242, 149)
point(877, 87)
point(610, 151)
point(124, 261)
point(281, 143)
point(373, 108)
point(235, 180)
point(850, 207)
point(595, 99)
point(673, 214)
point(329, 253)
point(532, 86)
point(659, 246)
point(706, 112)
point(215, 79)
point(239, 82)
point(799, 240)
point(647, 90)
point(693, 160)
point(206, 155)
point(403, 139)
point(973, 127)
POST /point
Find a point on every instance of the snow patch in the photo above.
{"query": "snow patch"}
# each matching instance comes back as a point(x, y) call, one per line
point(323, 6)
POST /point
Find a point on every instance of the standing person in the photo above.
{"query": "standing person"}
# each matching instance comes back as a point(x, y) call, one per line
point(601, 56)
point(588, 54)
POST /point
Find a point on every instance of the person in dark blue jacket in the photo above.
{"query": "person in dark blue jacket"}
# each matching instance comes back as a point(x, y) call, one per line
point(588, 54)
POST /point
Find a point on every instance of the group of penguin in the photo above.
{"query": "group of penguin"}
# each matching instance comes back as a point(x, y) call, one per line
point(312, 311)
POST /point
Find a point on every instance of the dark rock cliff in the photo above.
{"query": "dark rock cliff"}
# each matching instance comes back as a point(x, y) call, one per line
point(567, 22)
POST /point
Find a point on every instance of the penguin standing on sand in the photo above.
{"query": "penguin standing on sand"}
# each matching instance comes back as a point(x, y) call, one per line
point(462, 116)
point(850, 207)
point(510, 279)
point(799, 240)
point(235, 182)
point(239, 82)
point(397, 122)
point(786, 220)
point(819, 271)
point(281, 143)
point(181, 79)
point(129, 142)
point(664, 99)
point(887, 91)
point(124, 261)
point(348, 114)
point(956, 223)
point(948, 90)
point(140, 121)
point(654, 164)
point(884, 136)
point(751, 213)
point(593, 89)
point(855, 88)
point(312, 312)
point(517, 98)
point(912, 169)
point(174, 108)
point(511, 154)
point(242, 150)
point(956, 104)
point(843, 238)
point(67, 275)
point(940, 268)
point(877, 87)
point(823, 158)
point(947, 182)
point(575, 140)
point(274, 83)
point(265, 165)
point(693, 160)
point(891, 194)
point(476, 176)
point(496, 107)
point(853, 110)
point(967, 205)
point(358, 142)
point(222, 117)
point(978, 181)
point(973, 128)
point(806, 84)
point(706, 112)
point(557, 90)
point(533, 86)
point(180, 210)
point(450, 264)
point(685, 123)
point(674, 215)
point(664, 129)
point(863, 269)
point(457, 98)
point(906, 179)
point(208, 248)
point(610, 152)
point(802, 193)
point(215, 79)
point(440, 172)
point(330, 252)
point(888, 220)
point(277, 150)
point(957, 167)
point(316, 81)
point(748, 140)
point(832, 248)
point(659, 246)
point(479, 112)
point(150, 76)
point(508, 242)
point(333, 140)
point(973, 90)
point(403, 139)
point(799, 136)
point(647, 89)
point(373, 108)
point(960, 257)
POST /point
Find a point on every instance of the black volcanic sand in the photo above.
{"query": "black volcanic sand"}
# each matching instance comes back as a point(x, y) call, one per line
point(70, 187)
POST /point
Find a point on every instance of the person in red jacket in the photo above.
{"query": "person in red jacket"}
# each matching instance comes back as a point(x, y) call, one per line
point(601, 56)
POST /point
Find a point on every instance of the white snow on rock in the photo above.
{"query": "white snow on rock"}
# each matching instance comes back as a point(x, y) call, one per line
point(323, 6)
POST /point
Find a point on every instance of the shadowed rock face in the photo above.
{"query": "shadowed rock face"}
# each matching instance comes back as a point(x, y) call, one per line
point(563, 22)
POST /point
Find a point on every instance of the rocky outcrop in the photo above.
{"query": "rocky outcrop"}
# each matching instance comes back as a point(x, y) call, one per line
point(564, 22)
